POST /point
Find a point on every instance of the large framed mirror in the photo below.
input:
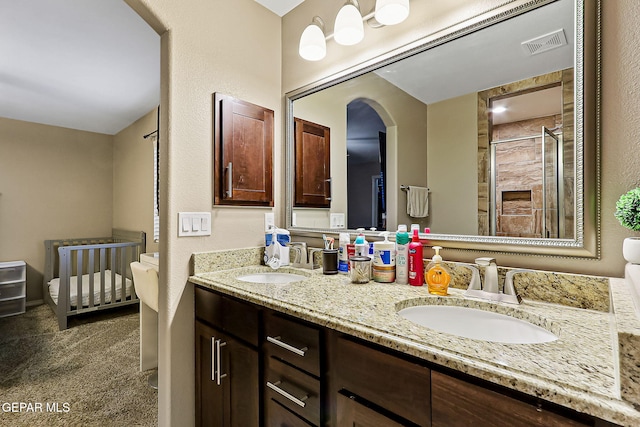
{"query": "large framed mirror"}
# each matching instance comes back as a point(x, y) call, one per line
point(495, 120)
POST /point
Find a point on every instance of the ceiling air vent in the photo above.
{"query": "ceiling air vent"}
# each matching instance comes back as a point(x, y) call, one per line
point(544, 43)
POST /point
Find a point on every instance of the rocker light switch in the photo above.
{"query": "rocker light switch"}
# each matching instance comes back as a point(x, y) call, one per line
point(186, 224)
point(194, 224)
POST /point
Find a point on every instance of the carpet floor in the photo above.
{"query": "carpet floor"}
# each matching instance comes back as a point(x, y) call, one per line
point(87, 375)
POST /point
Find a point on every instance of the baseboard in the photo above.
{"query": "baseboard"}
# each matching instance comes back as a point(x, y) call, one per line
point(34, 302)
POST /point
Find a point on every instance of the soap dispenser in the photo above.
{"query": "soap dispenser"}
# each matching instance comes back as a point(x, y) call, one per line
point(437, 274)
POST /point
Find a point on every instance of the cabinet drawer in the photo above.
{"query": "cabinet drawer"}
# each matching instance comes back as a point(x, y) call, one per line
point(12, 290)
point(395, 384)
point(13, 271)
point(459, 403)
point(279, 416)
point(293, 342)
point(11, 307)
point(293, 389)
point(235, 317)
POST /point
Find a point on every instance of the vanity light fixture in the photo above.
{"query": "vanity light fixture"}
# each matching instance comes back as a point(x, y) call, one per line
point(313, 45)
point(349, 29)
point(391, 12)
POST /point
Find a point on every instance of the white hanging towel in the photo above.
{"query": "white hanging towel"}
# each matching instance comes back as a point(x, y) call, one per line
point(417, 201)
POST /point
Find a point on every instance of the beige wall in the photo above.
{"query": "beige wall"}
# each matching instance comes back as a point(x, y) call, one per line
point(452, 133)
point(54, 183)
point(133, 178)
point(231, 47)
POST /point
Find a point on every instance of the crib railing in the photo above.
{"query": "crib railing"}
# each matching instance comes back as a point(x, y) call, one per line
point(81, 260)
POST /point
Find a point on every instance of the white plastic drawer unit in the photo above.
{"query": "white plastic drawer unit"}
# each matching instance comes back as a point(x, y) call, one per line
point(12, 271)
point(13, 278)
point(12, 307)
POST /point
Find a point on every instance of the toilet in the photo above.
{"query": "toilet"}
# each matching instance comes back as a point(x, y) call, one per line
point(145, 282)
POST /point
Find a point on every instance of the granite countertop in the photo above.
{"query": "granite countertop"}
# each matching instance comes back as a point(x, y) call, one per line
point(579, 370)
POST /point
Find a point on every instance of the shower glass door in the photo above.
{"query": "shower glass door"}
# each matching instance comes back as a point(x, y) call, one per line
point(552, 189)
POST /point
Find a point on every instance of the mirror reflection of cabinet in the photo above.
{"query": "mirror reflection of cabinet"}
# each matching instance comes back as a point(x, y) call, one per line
point(243, 147)
point(312, 157)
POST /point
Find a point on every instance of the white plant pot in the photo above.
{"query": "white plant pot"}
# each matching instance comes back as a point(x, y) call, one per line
point(631, 249)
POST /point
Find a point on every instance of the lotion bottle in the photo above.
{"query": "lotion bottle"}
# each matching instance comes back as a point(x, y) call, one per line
point(384, 260)
point(437, 275)
point(416, 266)
point(402, 255)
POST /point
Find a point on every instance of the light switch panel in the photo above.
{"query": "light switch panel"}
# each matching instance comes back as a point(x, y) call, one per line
point(194, 224)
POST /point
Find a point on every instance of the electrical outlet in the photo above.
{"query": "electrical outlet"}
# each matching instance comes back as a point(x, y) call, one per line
point(337, 220)
point(269, 221)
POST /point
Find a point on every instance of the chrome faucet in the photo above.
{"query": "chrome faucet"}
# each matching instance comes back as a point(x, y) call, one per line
point(490, 282)
point(304, 257)
point(489, 289)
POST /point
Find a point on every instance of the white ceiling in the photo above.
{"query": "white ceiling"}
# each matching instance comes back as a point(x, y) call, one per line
point(280, 7)
point(88, 65)
point(95, 65)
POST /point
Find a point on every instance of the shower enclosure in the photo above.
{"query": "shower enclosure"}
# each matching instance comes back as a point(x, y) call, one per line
point(527, 186)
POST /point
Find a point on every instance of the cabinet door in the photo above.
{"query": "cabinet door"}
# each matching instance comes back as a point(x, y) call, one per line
point(459, 403)
point(313, 175)
point(351, 413)
point(227, 380)
point(243, 153)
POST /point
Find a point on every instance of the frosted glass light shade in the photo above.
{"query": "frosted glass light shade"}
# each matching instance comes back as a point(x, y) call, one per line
point(391, 12)
point(348, 29)
point(313, 46)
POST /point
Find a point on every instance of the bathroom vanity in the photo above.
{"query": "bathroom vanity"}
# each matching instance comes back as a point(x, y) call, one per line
point(324, 351)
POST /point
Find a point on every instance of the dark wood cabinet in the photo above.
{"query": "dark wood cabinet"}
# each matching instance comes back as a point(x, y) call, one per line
point(292, 360)
point(258, 367)
point(352, 413)
point(459, 403)
point(227, 362)
point(312, 157)
point(243, 153)
point(393, 384)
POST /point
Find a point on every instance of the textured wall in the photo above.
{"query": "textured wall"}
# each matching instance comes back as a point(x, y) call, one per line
point(54, 183)
point(133, 178)
point(232, 47)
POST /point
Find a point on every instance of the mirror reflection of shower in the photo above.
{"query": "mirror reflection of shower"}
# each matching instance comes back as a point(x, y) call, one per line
point(529, 183)
point(366, 167)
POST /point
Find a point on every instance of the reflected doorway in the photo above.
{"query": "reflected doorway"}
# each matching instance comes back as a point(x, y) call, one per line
point(366, 167)
point(526, 166)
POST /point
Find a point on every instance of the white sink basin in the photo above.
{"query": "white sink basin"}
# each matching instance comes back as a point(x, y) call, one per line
point(278, 278)
point(477, 324)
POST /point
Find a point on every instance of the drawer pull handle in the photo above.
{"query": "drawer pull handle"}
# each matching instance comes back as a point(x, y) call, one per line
point(219, 374)
point(213, 358)
point(277, 341)
point(300, 402)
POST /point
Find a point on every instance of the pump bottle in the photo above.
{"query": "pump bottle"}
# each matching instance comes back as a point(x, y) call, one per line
point(402, 255)
point(384, 260)
point(416, 267)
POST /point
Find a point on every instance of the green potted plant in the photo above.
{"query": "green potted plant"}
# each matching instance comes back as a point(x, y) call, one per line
point(628, 213)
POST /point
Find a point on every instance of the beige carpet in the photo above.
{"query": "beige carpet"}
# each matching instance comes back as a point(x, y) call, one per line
point(87, 375)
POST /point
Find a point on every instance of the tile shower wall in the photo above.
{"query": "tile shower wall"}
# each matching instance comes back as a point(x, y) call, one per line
point(519, 177)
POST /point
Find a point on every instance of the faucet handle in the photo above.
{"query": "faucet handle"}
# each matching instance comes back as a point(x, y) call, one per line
point(485, 261)
point(312, 252)
point(509, 289)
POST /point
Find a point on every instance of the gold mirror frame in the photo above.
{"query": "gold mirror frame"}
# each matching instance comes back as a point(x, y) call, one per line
point(586, 243)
